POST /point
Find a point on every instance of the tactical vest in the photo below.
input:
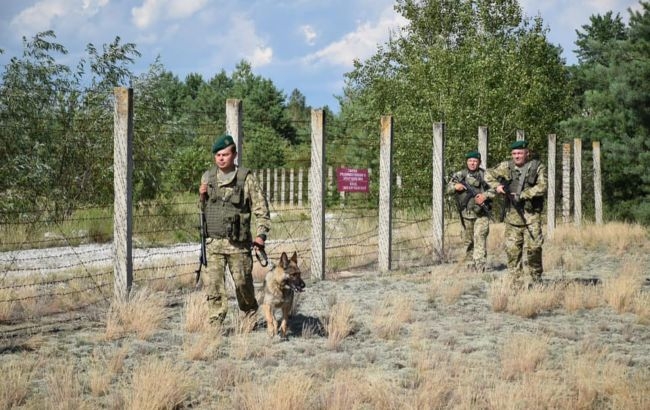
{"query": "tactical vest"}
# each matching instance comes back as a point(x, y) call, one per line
point(465, 200)
point(526, 179)
point(227, 211)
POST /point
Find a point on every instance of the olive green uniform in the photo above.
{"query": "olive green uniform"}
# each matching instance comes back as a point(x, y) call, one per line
point(529, 183)
point(476, 224)
point(229, 248)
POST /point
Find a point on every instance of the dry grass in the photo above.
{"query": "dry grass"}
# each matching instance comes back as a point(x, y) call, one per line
point(158, 384)
point(290, 391)
point(338, 324)
point(142, 314)
point(614, 237)
point(64, 390)
point(531, 302)
point(499, 294)
point(522, 354)
point(621, 292)
point(7, 304)
point(392, 316)
point(434, 338)
point(602, 382)
point(99, 379)
point(203, 346)
point(196, 313)
point(578, 297)
point(17, 374)
point(449, 285)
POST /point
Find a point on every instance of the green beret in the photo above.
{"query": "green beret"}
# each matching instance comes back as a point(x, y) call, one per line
point(519, 144)
point(473, 154)
point(222, 142)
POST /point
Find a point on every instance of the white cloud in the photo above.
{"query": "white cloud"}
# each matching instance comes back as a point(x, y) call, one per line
point(43, 14)
point(359, 44)
point(241, 41)
point(309, 33)
point(153, 11)
point(261, 56)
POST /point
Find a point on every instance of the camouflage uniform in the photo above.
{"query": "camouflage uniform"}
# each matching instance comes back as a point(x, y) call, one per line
point(520, 234)
point(235, 255)
point(475, 219)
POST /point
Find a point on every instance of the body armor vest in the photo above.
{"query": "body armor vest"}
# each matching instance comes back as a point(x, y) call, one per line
point(227, 211)
point(525, 177)
point(477, 182)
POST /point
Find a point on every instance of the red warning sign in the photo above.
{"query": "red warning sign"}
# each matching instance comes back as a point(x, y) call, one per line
point(351, 180)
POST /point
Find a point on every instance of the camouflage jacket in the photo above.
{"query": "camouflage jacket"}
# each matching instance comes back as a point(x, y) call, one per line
point(531, 188)
point(468, 207)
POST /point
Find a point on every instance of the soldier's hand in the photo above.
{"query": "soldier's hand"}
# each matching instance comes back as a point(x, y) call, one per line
point(259, 241)
point(203, 189)
point(501, 190)
point(459, 187)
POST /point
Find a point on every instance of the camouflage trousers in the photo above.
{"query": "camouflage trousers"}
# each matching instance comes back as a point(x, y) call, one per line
point(240, 265)
point(530, 238)
point(474, 239)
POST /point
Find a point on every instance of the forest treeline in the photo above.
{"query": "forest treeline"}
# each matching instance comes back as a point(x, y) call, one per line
point(466, 63)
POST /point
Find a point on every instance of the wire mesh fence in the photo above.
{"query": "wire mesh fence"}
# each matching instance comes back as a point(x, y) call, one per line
point(56, 248)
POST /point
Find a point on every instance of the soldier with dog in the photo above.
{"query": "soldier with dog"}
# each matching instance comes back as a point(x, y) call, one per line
point(231, 195)
point(473, 197)
point(522, 180)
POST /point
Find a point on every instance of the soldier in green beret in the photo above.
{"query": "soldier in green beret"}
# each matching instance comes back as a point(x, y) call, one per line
point(232, 195)
point(473, 197)
point(522, 181)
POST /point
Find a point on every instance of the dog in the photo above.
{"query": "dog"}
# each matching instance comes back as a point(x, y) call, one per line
point(280, 285)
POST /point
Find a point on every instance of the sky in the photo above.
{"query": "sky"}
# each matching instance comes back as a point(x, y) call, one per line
point(298, 44)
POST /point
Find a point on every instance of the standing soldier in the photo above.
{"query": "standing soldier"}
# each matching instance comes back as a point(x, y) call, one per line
point(233, 195)
point(523, 182)
point(473, 197)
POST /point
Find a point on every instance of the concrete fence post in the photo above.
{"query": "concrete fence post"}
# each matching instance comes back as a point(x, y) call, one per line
point(385, 193)
point(317, 195)
point(123, 193)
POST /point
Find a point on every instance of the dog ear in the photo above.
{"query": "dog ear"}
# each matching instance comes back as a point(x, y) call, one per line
point(284, 260)
point(294, 257)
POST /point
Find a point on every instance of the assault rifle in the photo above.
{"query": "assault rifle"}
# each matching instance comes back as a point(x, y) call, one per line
point(515, 203)
point(472, 192)
point(203, 228)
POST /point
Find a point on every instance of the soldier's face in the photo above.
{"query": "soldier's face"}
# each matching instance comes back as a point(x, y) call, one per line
point(225, 158)
point(473, 163)
point(519, 156)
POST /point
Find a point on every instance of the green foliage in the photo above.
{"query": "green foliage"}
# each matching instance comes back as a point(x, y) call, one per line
point(614, 107)
point(467, 64)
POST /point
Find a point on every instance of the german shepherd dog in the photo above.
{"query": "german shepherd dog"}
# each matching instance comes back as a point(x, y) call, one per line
point(280, 284)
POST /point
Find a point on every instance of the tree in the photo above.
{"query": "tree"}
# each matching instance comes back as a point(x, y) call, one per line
point(466, 63)
point(615, 110)
point(51, 124)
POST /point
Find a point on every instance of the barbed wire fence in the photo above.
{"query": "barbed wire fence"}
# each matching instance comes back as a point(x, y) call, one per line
point(57, 269)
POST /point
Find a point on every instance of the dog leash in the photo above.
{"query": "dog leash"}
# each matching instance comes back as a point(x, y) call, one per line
point(260, 254)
